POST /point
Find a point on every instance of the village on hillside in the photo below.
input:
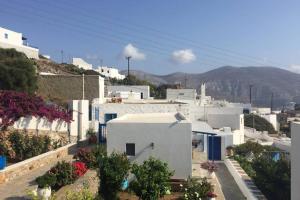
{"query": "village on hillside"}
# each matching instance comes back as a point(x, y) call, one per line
point(72, 130)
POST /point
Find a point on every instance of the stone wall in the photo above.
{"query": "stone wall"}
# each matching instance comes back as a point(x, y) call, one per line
point(50, 159)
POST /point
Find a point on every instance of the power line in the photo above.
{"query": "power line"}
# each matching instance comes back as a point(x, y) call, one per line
point(86, 32)
point(227, 51)
point(127, 27)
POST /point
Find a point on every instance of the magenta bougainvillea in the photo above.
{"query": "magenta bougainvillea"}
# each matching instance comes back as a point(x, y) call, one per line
point(14, 105)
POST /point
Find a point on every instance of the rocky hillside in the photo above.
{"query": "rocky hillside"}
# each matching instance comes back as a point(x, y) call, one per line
point(232, 83)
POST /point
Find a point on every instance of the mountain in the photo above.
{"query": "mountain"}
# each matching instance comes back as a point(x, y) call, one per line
point(232, 83)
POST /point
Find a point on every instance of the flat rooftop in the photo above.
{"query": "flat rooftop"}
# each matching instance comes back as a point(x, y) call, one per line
point(151, 118)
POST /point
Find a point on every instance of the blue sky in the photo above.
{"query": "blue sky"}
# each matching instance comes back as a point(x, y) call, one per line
point(163, 36)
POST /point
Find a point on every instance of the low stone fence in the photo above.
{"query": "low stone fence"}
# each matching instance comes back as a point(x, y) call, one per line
point(244, 182)
point(50, 159)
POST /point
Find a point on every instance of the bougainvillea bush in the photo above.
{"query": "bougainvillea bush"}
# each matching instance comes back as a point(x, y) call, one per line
point(14, 105)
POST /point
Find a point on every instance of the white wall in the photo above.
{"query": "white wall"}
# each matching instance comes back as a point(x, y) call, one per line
point(80, 117)
point(172, 143)
point(15, 41)
point(183, 94)
point(295, 160)
point(110, 72)
point(234, 121)
point(272, 118)
point(81, 63)
point(123, 108)
point(145, 89)
point(41, 124)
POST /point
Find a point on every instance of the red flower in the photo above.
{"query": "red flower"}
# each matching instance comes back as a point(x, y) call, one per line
point(79, 168)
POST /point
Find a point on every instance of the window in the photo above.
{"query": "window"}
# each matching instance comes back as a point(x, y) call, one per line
point(130, 149)
point(109, 116)
point(181, 94)
point(5, 35)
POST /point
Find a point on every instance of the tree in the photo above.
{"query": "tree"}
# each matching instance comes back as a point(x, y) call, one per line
point(273, 178)
point(14, 105)
point(260, 124)
point(113, 171)
point(152, 179)
point(17, 72)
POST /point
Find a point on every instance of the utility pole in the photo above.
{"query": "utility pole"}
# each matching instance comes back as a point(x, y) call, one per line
point(185, 79)
point(128, 59)
point(250, 94)
point(62, 56)
point(272, 101)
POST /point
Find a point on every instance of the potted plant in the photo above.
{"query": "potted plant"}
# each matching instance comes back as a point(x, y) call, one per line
point(229, 151)
point(211, 196)
point(44, 185)
point(92, 136)
point(211, 167)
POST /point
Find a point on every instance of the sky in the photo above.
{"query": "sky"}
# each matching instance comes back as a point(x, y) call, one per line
point(161, 36)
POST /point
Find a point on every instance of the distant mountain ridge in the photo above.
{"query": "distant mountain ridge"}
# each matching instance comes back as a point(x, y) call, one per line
point(232, 83)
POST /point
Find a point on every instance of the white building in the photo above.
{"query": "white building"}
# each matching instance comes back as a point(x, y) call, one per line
point(10, 39)
point(295, 160)
point(110, 72)
point(234, 121)
point(142, 90)
point(181, 94)
point(166, 136)
point(79, 62)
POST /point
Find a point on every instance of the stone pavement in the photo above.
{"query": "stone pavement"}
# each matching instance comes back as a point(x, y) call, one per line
point(198, 172)
point(17, 189)
point(228, 185)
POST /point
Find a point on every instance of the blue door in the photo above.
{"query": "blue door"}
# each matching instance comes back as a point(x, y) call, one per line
point(102, 133)
point(214, 148)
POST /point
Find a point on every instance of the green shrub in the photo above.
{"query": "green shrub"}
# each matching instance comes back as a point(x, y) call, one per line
point(273, 178)
point(91, 157)
point(247, 148)
point(84, 194)
point(26, 147)
point(197, 188)
point(63, 172)
point(114, 170)
point(17, 72)
point(152, 179)
point(47, 180)
point(260, 124)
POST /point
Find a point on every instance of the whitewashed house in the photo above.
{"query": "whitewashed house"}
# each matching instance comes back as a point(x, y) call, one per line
point(13, 40)
point(166, 136)
point(110, 72)
point(123, 91)
point(79, 62)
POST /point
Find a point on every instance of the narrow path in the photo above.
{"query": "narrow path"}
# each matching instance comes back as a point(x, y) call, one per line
point(229, 187)
point(17, 189)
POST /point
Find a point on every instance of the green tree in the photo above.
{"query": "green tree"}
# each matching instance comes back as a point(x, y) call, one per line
point(273, 178)
point(152, 179)
point(17, 72)
point(113, 171)
point(260, 123)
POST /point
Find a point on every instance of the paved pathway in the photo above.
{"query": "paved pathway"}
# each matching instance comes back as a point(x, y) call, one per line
point(17, 189)
point(228, 185)
point(198, 172)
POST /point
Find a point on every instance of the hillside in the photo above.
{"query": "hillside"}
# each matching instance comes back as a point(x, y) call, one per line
point(232, 83)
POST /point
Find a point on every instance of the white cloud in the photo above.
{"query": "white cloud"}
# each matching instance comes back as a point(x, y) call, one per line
point(134, 52)
point(183, 56)
point(294, 68)
point(92, 56)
